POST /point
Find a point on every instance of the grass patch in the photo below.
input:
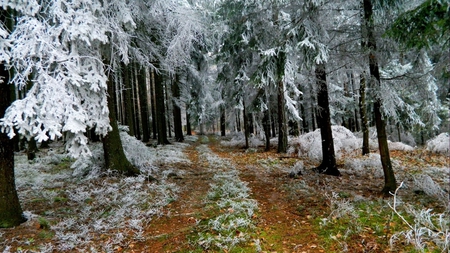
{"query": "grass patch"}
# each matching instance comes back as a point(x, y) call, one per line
point(368, 225)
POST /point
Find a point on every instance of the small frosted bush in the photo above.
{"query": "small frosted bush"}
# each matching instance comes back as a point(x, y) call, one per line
point(427, 232)
point(310, 144)
point(440, 144)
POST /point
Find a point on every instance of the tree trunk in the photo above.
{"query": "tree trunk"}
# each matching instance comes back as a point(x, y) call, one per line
point(136, 101)
point(31, 149)
point(188, 121)
point(177, 123)
point(128, 90)
point(328, 165)
point(153, 103)
point(272, 123)
point(266, 126)
point(246, 130)
point(114, 155)
point(390, 183)
point(143, 100)
point(282, 122)
point(238, 120)
point(166, 93)
point(363, 113)
point(222, 121)
point(160, 110)
point(10, 209)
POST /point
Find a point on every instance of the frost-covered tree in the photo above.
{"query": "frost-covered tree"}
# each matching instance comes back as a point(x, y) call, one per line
point(10, 208)
point(390, 183)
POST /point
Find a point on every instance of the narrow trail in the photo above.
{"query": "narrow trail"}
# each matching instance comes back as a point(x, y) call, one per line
point(279, 227)
point(282, 226)
point(169, 233)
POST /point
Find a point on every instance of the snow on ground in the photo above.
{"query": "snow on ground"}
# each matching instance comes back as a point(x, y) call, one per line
point(95, 202)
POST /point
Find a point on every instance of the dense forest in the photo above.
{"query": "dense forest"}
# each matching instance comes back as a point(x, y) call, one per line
point(118, 81)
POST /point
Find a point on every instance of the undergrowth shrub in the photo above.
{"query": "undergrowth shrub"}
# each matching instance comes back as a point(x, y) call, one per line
point(428, 231)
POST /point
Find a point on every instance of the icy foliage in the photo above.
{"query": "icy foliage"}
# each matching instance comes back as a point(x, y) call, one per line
point(440, 144)
point(238, 140)
point(146, 159)
point(366, 165)
point(310, 144)
point(399, 146)
point(426, 184)
point(340, 207)
point(428, 228)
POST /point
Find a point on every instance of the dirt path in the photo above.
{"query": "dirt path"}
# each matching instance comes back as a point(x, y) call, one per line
point(280, 225)
point(169, 233)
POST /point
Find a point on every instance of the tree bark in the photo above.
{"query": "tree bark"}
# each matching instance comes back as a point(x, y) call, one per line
point(222, 121)
point(390, 183)
point(136, 101)
point(31, 149)
point(160, 110)
point(266, 126)
point(114, 155)
point(188, 121)
point(246, 130)
point(153, 103)
point(328, 165)
point(282, 122)
point(166, 93)
point(10, 209)
point(177, 123)
point(363, 113)
point(143, 100)
point(128, 90)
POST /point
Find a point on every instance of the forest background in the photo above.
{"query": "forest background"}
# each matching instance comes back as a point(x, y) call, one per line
point(273, 71)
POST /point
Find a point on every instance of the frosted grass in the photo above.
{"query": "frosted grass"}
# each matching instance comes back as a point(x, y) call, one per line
point(232, 196)
point(100, 211)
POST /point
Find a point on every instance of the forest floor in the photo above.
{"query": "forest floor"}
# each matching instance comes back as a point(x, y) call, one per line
point(234, 200)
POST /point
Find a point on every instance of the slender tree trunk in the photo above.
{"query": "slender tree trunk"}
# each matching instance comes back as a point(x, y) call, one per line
point(136, 101)
point(10, 209)
point(160, 110)
point(177, 123)
point(31, 149)
point(188, 121)
point(114, 155)
point(363, 113)
point(129, 114)
point(238, 120)
point(246, 130)
point(169, 127)
point(282, 121)
point(390, 183)
point(153, 103)
point(266, 126)
point(143, 100)
point(328, 165)
point(222, 121)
